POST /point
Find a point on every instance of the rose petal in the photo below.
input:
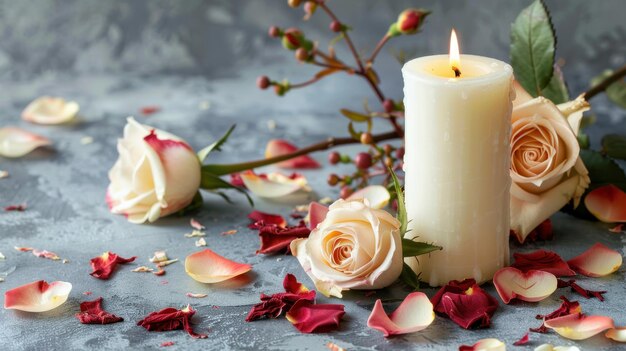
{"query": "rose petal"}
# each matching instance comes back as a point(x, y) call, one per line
point(317, 214)
point(579, 326)
point(37, 296)
point(274, 305)
point(50, 110)
point(376, 195)
point(579, 290)
point(208, 267)
point(597, 261)
point(485, 345)
point(274, 185)
point(415, 313)
point(550, 347)
point(148, 110)
point(531, 286)
point(104, 265)
point(319, 318)
point(617, 229)
point(171, 319)
point(275, 239)
point(617, 334)
point(278, 147)
point(454, 286)
point(471, 309)
point(15, 142)
point(91, 312)
point(18, 208)
point(542, 260)
point(522, 341)
point(607, 203)
point(196, 225)
point(260, 219)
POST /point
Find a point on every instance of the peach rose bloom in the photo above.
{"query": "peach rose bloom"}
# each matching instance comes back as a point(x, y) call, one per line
point(354, 247)
point(546, 169)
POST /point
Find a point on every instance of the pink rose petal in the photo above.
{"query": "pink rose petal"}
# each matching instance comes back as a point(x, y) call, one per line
point(317, 214)
point(208, 267)
point(260, 219)
point(196, 225)
point(315, 318)
point(376, 195)
point(531, 286)
point(567, 307)
point(37, 296)
point(278, 147)
point(542, 260)
point(485, 345)
point(50, 110)
point(15, 142)
point(415, 313)
point(597, 261)
point(579, 326)
point(617, 229)
point(274, 185)
point(522, 341)
point(617, 334)
point(607, 203)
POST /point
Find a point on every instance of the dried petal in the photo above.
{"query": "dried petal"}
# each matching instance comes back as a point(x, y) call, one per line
point(167, 343)
point(377, 196)
point(171, 319)
point(275, 239)
point(18, 208)
point(485, 345)
point(317, 214)
point(471, 309)
point(260, 219)
point(278, 147)
point(542, 260)
point(167, 262)
point(580, 290)
point(46, 254)
point(2, 257)
point(315, 318)
point(270, 307)
point(334, 347)
point(617, 334)
point(208, 267)
point(91, 312)
point(274, 305)
point(159, 256)
point(50, 110)
point(274, 185)
point(607, 203)
point(104, 265)
point(148, 110)
point(617, 229)
point(37, 296)
point(229, 232)
point(23, 249)
point(531, 286)
point(455, 287)
point(15, 142)
point(579, 326)
point(195, 233)
point(142, 269)
point(4, 174)
point(160, 272)
point(597, 261)
point(567, 307)
point(415, 313)
point(200, 242)
point(196, 296)
point(196, 225)
point(522, 341)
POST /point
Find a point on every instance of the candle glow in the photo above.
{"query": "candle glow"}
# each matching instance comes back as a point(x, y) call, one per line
point(455, 57)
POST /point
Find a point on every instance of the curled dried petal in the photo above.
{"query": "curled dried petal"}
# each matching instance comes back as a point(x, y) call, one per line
point(542, 260)
point(104, 265)
point(91, 312)
point(171, 319)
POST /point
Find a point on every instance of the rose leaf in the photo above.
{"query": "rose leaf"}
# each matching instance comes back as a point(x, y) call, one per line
point(202, 154)
point(409, 277)
point(556, 90)
point(212, 182)
point(532, 48)
point(614, 145)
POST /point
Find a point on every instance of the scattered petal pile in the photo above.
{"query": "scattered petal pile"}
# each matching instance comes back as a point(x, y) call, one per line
point(37, 296)
point(208, 267)
point(415, 313)
point(171, 319)
point(104, 265)
point(273, 306)
point(91, 312)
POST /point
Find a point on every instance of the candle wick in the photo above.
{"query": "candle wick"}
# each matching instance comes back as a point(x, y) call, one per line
point(457, 72)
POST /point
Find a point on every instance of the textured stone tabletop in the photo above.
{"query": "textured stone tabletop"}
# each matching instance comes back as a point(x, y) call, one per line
point(64, 185)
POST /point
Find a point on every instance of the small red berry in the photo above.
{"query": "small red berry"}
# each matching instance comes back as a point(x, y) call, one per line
point(363, 160)
point(274, 32)
point(334, 158)
point(400, 153)
point(388, 105)
point(263, 82)
point(294, 3)
point(302, 54)
point(366, 138)
point(336, 26)
point(333, 179)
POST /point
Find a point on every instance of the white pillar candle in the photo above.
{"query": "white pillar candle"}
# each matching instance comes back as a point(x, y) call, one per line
point(457, 165)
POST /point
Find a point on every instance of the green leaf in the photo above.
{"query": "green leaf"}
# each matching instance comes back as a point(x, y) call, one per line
point(614, 146)
point(355, 116)
point(583, 140)
point(195, 205)
point(532, 48)
point(409, 277)
point(212, 182)
point(616, 92)
point(412, 248)
point(402, 217)
point(202, 154)
point(353, 133)
point(556, 90)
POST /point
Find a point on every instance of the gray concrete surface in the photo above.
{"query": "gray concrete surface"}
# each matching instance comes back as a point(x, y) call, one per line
point(115, 57)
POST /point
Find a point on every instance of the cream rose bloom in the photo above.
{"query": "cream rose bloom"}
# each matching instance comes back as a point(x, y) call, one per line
point(546, 169)
point(155, 175)
point(354, 247)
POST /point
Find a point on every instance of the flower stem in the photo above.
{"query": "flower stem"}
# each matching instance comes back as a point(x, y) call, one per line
point(323, 145)
point(603, 85)
point(379, 46)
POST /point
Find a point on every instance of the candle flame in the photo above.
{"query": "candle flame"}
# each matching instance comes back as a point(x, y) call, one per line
point(455, 57)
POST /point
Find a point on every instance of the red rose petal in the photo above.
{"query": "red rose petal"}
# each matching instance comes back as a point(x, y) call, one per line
point(470, 309)
point(148, 110)
point(607, 203)
point(310, 318)
point(91, 312)
point(274, 305)
point(580, 290)
point(317, 214)
point(104, 265)
point(167, 343)
point(171, 319)
point(567, 307)
point(260, 219)
point(278, 147)
point(522, 341)
point(275, 239)
point(542, 260)
point(196, 225)
point(18, 208)
point(235, 180)
point(597, 261)
point(455, 287)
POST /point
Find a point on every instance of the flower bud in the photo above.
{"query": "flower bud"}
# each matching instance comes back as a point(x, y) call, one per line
point(389, 105)
point(274, 32)
point(334, 158)
point(293, 38)
point(333, 179)
point(263, 82)
point(336, 26)
point(281, 88)
point(302, 54)
point(309, 9)
point(363, 160)
point(294, 3)
point(366, 138)
point(409, 22)
point(400, 153)
point(388, 148)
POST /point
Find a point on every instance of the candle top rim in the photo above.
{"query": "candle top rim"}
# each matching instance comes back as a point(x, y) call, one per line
point(494, 69)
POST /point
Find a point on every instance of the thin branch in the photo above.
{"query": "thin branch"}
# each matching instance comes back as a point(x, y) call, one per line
point(357, 58)
point(379, 46)
point(603, 85)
